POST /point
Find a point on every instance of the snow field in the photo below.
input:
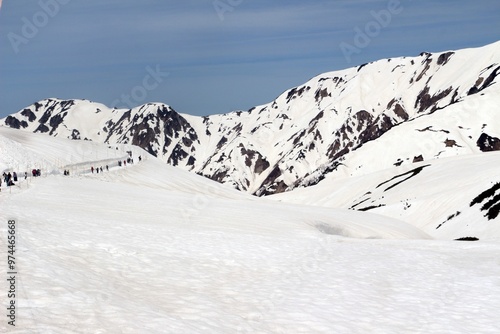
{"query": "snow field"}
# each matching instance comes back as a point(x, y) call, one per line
point(153, 249)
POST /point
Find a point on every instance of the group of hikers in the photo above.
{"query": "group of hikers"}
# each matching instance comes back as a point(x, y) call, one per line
point(9, 179)
point(97, 169)
point(35, 172)
point(120, 163)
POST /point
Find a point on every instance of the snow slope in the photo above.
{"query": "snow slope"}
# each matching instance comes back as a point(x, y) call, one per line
point(150, 248)
point(434, 196)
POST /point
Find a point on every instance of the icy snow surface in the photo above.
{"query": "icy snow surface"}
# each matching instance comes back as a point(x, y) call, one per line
point(149, 248)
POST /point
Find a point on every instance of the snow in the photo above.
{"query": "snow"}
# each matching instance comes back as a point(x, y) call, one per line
point(149, 248)
point(424, 200)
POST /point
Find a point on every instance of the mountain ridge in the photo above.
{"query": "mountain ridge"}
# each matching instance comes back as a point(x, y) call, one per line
point(310, 130)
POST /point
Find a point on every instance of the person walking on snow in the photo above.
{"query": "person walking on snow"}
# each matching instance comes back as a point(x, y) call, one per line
point(92, 169)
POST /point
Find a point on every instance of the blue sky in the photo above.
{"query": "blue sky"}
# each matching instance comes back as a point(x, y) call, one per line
point(214, 56)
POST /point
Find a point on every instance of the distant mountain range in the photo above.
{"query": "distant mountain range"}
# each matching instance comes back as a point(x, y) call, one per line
point(356, 121)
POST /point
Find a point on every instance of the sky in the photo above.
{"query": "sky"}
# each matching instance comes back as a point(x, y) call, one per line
point(214, 56)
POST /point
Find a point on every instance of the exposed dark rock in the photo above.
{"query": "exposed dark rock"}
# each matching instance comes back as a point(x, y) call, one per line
point(411, 174)
point(293, 93)
point(359, 203)
point(317, 118)
point(28, 113)
point(75, 134)
point(444, 57)
point(221, 142)
point(321, 93)
point(261, 164)
point(13, 122)
point(427, 62)
point(371, 207)
point(364, 119)
point(456, 214)
point(485, 83)
point(54, 122)
point(37, 105)
point(42, 128)
point(451, 143)
point(177, 155)
point(486, 143)
point(187, 142)
point(425, 101)
point(429, 128)
point(391, 102)
point(248, 154)
point(418, 158)
point(467, 239)
point(273, 175)
point(400, 112)
point(299, 137)
point(191, 161)
point(490, 78)
point(492, 207)
point(361, 66)
point(46, 116)
point(219, 176)
point(275, 188)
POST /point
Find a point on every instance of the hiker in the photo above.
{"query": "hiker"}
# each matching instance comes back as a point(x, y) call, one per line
point(101, 168)
point(97, 170)
point(9, 180)
point(107, 168)
point(38, 172)
point(140, 158)
point(92, 169)
point(25, 175)
point(14, 175)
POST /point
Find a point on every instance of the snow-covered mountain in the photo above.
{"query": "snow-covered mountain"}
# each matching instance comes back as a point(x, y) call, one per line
point(409, 109)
